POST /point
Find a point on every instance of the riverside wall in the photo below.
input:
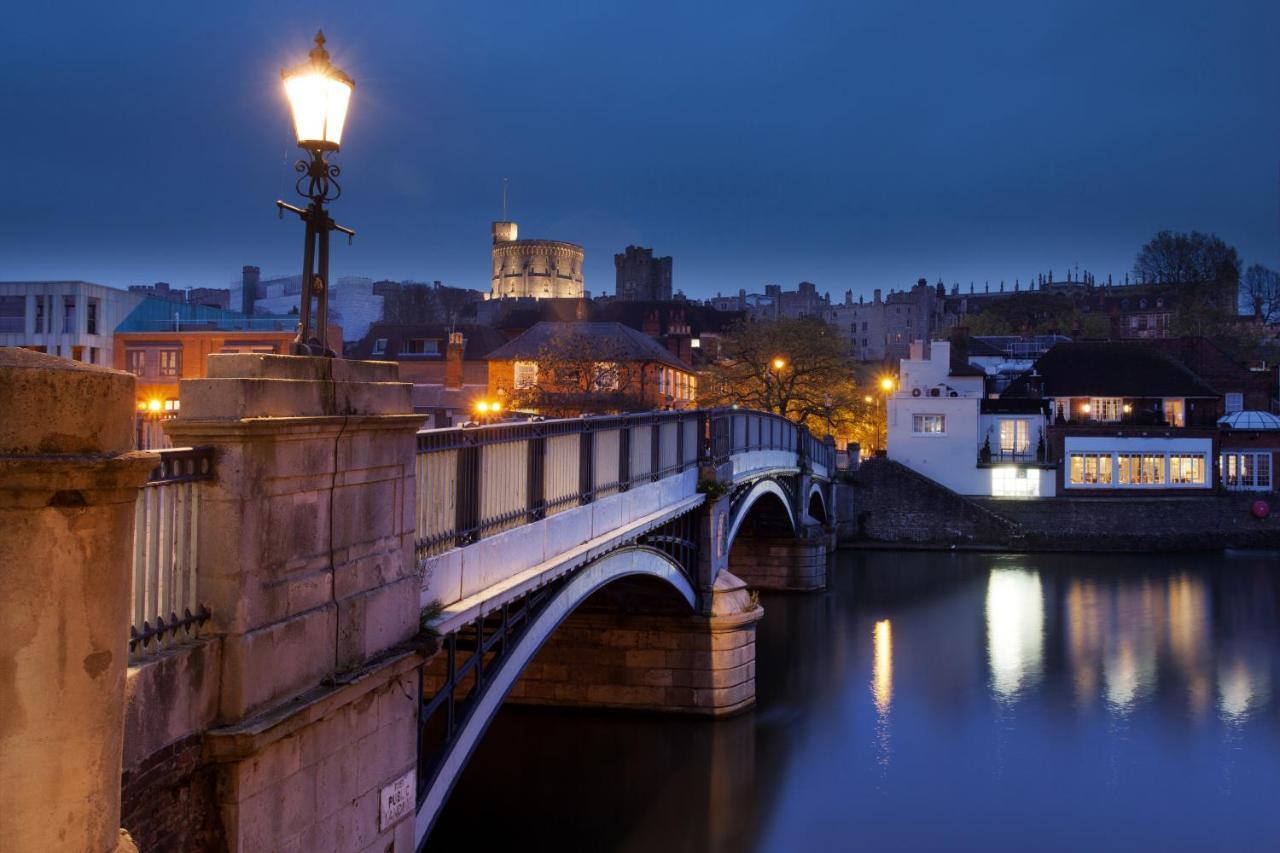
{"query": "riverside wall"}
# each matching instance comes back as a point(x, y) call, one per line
point(894, 506)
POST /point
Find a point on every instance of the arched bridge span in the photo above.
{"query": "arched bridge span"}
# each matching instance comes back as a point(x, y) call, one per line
point(518, 523)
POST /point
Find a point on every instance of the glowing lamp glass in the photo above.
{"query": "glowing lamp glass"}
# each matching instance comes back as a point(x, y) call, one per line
point(153, 406)
point(886, 384)
point(779, 363)
point(482, 406)
point(319, 104)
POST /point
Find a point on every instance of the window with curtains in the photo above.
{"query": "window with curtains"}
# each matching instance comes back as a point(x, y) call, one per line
point(1090, 469)
point(525, 374)
point(1015, 436)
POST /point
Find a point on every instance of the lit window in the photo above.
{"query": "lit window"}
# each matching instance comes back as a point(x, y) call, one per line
point(1105, 408)
point(1015, 436)
point(1246, 471)
point(1186, 469)
point(1090, 469)
point(928, 424)
point(1235, 402)
point(136, 361)
point(525, 374)
point(170, 362)
point(1011, 482)
point(1141, 469)
point(1175, 413)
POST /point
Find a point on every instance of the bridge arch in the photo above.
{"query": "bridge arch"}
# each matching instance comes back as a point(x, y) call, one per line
point(765, 498)
point(631, 561)
point(816, 506)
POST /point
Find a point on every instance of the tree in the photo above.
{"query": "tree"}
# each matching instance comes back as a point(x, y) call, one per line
point(1260, 292)
point(577, 373)
point(1175, 258)
point(800, 369)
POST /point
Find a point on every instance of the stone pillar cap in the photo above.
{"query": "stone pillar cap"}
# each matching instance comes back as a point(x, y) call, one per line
point(51, 406)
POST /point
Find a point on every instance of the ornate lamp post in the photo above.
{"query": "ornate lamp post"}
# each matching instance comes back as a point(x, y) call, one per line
point(318, 98)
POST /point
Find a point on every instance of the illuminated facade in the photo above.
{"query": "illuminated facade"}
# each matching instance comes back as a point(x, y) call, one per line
point(534, 269)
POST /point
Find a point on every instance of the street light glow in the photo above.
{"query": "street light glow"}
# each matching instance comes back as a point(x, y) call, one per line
point(319, 95)
point(153, 405)
point(779, 363)
point(886, 384)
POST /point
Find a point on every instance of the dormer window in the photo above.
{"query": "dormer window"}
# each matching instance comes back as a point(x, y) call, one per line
point(380, 346)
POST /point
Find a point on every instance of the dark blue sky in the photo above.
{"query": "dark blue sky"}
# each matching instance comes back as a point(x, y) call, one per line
point(853, 144)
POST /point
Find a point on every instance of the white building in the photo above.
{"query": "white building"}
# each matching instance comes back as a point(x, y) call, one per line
point(72, 319)
point(352, 303)
point(941, 425)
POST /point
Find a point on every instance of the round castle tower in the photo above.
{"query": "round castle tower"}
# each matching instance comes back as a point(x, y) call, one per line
point(539, 269)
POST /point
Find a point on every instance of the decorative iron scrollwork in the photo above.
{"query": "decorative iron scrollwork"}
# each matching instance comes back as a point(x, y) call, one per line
point(321, 178)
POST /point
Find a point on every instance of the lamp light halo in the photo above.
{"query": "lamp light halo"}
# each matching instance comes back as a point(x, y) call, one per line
point(319, 94)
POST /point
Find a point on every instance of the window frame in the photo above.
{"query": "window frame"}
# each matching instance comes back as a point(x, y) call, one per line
point(918, 420)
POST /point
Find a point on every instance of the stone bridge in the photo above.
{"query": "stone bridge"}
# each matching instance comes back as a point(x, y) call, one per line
point(293, 635)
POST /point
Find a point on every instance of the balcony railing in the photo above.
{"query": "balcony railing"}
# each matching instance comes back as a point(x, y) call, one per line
point(166, 534)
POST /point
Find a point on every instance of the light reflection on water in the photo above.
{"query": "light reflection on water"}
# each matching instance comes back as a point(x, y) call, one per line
point(937, 702)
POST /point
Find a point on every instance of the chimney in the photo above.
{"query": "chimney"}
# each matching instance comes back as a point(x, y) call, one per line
point(960, 346)
point(877, 296)
point(652, 327)
point(248, 288)
point(453, 360)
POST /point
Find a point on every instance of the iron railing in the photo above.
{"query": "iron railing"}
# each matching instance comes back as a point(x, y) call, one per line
point(166, 534)
point(473, 482)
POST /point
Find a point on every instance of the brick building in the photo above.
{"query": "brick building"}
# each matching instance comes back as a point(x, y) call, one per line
point(566, 369)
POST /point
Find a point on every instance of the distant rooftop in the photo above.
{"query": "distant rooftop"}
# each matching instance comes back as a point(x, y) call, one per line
point(161, 315)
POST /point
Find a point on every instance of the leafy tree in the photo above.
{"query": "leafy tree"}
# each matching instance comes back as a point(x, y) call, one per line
point(579, 373)
point(800, 369)
point(1260, 293)
point(1175, 258)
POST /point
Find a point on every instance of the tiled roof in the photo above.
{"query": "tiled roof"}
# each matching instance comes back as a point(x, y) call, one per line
point(479, 341)
point(615, 339)
point(1111, 369)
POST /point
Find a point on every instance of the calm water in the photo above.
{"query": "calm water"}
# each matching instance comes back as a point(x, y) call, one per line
point(936, 702)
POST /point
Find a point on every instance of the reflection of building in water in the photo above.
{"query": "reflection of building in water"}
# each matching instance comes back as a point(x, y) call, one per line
point(1125, 629)
point(1189, 624)
point(1244, 684)
point(1015, 630)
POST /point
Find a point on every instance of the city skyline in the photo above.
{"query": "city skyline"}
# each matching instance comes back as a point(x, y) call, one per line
point(895, 145)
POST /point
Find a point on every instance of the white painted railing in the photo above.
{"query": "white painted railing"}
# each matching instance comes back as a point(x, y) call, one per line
point(166, 534)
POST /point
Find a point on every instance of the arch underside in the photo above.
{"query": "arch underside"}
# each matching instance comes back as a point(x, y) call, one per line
point(510, 653)
point(770, 502)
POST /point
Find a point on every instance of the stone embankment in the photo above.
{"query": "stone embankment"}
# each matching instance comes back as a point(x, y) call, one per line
point(895, 506)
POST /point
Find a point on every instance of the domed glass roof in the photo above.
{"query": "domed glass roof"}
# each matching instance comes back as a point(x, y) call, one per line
point(1250, 421)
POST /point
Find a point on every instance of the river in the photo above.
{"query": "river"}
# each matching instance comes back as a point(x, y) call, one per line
point(934, 701)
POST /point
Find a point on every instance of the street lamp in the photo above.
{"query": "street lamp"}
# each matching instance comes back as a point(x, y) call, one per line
point(886, 384)
point(779, 363)
point(319, 95)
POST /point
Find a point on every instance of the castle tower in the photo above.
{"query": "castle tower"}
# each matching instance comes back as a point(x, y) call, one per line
point(537, 269)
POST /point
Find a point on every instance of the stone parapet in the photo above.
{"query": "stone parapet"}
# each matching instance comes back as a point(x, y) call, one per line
point(66, 537)
point(310, 775)
point(306, 558)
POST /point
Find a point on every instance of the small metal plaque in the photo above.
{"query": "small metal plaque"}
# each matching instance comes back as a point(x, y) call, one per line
point(397, 800)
